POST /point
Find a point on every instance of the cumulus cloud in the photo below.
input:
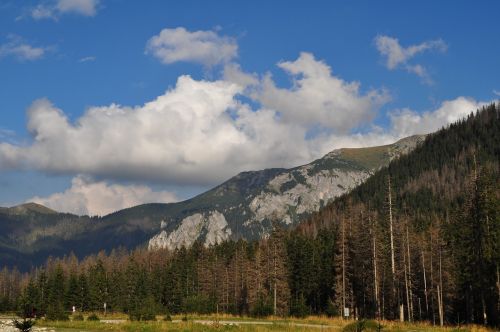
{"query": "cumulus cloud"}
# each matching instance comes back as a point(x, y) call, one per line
point(21, 50)
point(397, 56)
point(86, 197)
point(196, 133)
point(406, 122)
point(233, 73)
point(54, 9)
point(204, 47)
point(201, 132)
point(318, 98)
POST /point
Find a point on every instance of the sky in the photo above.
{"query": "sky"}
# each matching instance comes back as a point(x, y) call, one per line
point(106, 104)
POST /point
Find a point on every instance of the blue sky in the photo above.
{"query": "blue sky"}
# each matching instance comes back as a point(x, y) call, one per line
point(318, 75)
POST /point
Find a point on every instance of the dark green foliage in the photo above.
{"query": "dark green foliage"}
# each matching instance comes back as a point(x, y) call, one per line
point(56, 312)
point(200, 304)
point(362, 325)
point(93, 318)
point(263, 308)
point(331, 310)
point(77, 317)
point(24, 325)
point(145, 310)
point(298, 308)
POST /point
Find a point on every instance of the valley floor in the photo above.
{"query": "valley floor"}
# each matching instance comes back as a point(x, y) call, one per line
point(120, 323)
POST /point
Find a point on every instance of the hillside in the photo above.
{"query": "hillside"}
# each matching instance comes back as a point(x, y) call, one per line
point(418, 240)
point(242, 207)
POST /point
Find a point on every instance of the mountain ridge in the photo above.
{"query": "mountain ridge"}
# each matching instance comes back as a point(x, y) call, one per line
point(242, 207)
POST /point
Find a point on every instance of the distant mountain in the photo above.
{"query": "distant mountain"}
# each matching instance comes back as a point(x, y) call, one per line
point(242, 207)
point(246, 205)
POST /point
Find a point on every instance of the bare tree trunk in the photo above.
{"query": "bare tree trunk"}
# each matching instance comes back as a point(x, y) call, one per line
point(433, 310)
point(440, 291)
point(393, 264)
point(375, 272)
point(343, 267)
point(406, 287)
point(425, 286)
point(393, 260)
point(498, 289)
point(275, 276)
point(410, 304)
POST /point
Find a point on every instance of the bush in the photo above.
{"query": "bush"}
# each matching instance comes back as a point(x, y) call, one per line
point(93, 318)
point(24, 325)
point(199, 304)
point(299, 309)
point(363, 325)
point(144, 310)
point(56, 312)
point(262, 308)
point(167, 317)
point(78, 317)
point(331, 310)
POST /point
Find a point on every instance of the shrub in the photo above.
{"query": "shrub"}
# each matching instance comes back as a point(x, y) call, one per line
point(93, 318)
point(56, 312)
point(199, 304)
point(363, 325)
point(24, 325)
point(262, 308)
point(143, 311)
point(78, 317)
point(331, 310)
point(299, 309)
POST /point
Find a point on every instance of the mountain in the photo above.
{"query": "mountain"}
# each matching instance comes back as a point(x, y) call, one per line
point(246, 205)
point(242, 207)
point(419, 240)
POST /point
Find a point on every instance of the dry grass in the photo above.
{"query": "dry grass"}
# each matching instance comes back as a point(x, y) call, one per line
point(278, 324)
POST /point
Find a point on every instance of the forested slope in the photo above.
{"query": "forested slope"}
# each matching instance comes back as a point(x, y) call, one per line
point(419, 240)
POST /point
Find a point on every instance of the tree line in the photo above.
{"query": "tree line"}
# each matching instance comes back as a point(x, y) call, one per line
point(418, 241)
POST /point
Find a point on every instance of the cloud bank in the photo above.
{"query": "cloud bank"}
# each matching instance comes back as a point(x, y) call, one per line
point(199, 132)
point(86, 197)
point(202, 132)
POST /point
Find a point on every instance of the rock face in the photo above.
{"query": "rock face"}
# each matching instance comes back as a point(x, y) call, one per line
point(213, 225)
point(246, 205)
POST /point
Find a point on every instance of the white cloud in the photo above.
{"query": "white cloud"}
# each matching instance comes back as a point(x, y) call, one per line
point(197, 133)
point(204, 47)
point(497, 93)
point(54, 9)
point(201, 133)
point(398, 56)
point(232, 72)
point(317, 98)
point(21, 50)
point(406, 122)
point(87, 59)
point(86, 197)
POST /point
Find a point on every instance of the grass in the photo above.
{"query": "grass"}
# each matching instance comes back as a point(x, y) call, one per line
point(277, 324)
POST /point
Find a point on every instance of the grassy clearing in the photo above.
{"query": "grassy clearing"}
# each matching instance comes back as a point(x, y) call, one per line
point(194, 323)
